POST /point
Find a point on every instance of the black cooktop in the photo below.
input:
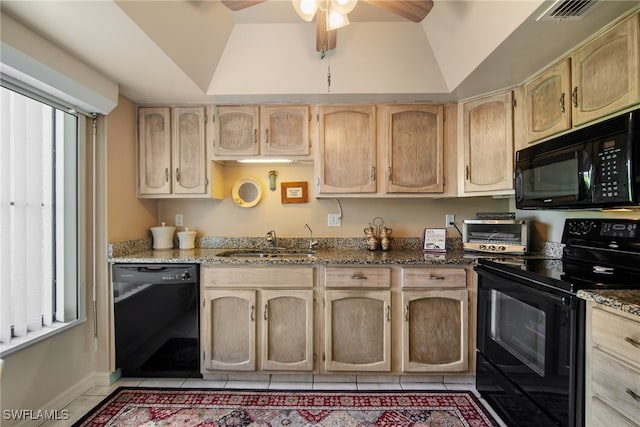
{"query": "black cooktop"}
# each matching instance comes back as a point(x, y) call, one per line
point(566, 275)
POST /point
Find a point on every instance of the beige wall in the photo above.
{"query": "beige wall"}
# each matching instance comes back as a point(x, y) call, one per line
point(128, 217)
point(407, 217)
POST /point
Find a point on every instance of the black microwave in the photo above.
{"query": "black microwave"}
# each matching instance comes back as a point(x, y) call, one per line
point(595, 167)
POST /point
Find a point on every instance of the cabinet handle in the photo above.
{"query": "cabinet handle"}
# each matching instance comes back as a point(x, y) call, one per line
point(255, 136)
point(633, 342)
point(466, 172)
point(265, 312)
point(406, 313)
point(358, 276)
point(633, 394)
point(373, 173)
point(266, 136)
point(431, 277)
point(562, 109)
point(388, 313)
point(389, 174)
point(166, 174)
point(177, 175)
point(574, 96)
point(252, 313)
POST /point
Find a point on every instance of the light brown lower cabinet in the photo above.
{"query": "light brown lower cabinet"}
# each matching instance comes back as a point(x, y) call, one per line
point(253, 319)
point(357, 330)
point(612, 367)
point(434, 330)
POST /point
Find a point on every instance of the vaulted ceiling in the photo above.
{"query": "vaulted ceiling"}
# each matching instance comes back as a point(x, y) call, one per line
point(198, 51)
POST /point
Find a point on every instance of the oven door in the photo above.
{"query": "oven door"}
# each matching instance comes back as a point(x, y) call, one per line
point(530, 335)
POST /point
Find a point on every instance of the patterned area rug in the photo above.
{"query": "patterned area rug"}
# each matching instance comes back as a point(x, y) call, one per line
point(129, 406)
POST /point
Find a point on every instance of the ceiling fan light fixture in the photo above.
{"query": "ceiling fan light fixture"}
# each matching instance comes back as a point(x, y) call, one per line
point(336, 20)
point(343, 6)
point(306, 9)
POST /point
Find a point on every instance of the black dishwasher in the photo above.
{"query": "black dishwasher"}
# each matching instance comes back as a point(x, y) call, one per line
point(155, 310)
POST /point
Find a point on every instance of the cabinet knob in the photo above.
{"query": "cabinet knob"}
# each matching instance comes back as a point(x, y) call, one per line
point(252, 313)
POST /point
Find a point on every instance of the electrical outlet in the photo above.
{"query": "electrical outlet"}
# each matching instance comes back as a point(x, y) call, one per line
point(334, 220)
point(179, 220)
point(448, 219)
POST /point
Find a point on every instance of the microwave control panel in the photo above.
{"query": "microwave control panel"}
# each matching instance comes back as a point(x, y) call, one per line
point(611, 173)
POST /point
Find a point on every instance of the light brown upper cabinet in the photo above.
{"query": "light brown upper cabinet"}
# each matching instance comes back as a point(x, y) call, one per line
point(285, 130)
point(269, 130)
point(236, 131)
point(487, 144)
point(173, 160)
point(548, 102)
point(595, 81)
point(412, 137)
point(346, 161)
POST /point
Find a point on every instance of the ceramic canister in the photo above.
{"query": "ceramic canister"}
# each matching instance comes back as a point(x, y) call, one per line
point(186, 239)
point(163, 236)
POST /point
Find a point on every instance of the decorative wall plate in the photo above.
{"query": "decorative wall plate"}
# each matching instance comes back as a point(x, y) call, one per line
point(246, 192)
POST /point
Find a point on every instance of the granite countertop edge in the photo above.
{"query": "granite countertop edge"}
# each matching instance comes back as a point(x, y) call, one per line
point(321, 257)
point(627, 300)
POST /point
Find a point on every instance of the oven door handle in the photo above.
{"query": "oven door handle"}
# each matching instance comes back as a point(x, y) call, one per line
point(563, 300)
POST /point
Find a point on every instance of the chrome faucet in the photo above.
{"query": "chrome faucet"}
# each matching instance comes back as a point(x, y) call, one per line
point(313, 244)
point(271, 238)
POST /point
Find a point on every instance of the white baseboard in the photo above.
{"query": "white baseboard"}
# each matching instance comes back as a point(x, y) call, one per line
point(63, 399)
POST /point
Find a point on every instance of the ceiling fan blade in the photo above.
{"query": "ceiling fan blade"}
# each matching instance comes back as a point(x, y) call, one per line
point(413, 10)
point(240, 4)
point(325, 39)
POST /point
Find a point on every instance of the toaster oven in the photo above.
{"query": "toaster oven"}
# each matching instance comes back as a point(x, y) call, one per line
point(507, 236)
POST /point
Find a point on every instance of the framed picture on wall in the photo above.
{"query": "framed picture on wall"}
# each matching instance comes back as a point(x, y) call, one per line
point(294, 192)
point(434, 240)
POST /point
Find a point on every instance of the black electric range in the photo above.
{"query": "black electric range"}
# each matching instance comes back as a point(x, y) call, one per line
point(531, 324)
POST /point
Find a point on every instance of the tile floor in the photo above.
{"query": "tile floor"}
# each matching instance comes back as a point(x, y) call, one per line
point(95, 395)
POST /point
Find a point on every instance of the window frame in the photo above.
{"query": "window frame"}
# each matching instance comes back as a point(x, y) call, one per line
point(76, 270)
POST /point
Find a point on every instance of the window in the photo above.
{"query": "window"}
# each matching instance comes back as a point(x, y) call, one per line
point(39, 217)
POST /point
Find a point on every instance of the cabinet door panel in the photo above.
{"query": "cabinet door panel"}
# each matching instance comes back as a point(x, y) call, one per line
point(414, 137)
point(488, 143)
point(230, 337)
point(435, 330)
point(189, 151)
point(365, 344)
point(605, 73)
point(236, 131)
point(347, 150)
point(287, 330)
point(155, 150)
point(286, 130)
point(547, 102)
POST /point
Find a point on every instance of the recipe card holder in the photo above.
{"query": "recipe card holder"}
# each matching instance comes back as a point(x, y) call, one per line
point(434, 240)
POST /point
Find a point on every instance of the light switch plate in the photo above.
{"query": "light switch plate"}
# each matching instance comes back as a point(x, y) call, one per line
point(179, 220)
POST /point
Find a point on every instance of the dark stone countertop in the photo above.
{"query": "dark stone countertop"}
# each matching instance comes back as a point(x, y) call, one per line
point(322, 256)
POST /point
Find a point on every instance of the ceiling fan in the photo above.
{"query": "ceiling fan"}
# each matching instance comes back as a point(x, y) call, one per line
point(326, 26)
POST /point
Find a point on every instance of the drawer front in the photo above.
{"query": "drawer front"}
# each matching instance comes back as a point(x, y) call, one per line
point(282, 277)
point(434, 277)
point(357, 277)
point(616, 383)
point(604, 415)
point(616, 334)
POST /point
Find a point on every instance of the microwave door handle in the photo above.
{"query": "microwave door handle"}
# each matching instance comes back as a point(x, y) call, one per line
point(585, 184)
point(518, 185)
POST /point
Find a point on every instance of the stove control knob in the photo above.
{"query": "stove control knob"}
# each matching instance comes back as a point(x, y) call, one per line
point(501, 248)
point(492, 248)
point(483, 247)
point(185, 276)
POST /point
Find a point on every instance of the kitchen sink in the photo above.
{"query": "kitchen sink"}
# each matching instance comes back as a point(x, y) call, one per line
point(266, 253)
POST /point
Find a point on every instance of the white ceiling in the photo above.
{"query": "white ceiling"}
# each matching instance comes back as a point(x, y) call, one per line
point(197, 51)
